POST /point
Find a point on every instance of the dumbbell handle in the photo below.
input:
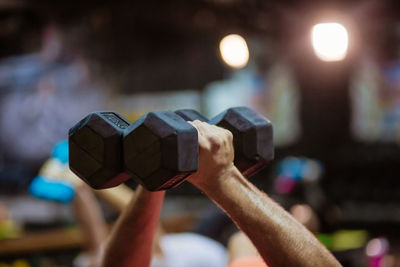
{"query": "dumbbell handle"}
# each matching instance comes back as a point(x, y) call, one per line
point(191, 115)
point(247, 167)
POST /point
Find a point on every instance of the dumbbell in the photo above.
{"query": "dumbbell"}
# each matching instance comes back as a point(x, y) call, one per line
point(158, 151)
point(252, 136)
point(164, 165)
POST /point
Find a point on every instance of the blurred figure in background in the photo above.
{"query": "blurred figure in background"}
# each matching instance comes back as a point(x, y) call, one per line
point(56, 182)
point(41, 96)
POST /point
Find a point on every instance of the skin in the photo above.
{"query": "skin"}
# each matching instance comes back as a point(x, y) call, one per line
point(132, 238)
point(278, 237)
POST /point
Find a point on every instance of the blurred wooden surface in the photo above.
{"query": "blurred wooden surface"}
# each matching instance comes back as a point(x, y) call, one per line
point(72, 238)
point(42, 241)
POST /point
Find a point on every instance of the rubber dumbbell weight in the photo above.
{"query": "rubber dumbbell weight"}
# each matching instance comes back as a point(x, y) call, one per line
point(158, 151)
point(95, 149)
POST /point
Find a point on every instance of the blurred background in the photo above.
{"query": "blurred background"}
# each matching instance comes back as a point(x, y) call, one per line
point(326, 73)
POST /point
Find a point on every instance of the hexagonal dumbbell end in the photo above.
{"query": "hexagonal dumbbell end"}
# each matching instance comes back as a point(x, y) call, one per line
point(95, 149)
point(160, 150)
point(191, 115)
point(253, 138)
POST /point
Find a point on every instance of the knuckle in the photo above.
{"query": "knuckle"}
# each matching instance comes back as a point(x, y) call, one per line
point(229, 135)
point(215, 141)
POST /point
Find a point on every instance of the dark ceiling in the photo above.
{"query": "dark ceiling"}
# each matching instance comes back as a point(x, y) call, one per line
point(158, 45)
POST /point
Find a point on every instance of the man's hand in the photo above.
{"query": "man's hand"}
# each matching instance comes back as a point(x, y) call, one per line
point(278, 237)
point(216, 154)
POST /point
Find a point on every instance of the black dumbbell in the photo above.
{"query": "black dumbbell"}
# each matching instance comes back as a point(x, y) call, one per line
point(158, 151)
point(191, 115)
point(252, 136)
point(95, 149)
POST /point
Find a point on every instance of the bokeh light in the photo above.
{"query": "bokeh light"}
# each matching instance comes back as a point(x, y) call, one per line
point(303, 213)
point(376, 247)
point(330, 41)
point(234, 51)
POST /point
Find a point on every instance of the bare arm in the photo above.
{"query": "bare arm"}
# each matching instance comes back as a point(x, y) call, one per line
point(278, 237)
point(131, 241)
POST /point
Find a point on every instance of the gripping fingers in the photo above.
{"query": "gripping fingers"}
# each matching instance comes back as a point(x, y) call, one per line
point(211, 135)
point(201, 132)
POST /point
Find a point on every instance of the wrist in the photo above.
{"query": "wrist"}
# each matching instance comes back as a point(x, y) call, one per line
point(215, 181)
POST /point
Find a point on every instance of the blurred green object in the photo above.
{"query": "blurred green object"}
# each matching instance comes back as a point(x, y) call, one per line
point(8, 229)
point(326, 240)
point(344, 239)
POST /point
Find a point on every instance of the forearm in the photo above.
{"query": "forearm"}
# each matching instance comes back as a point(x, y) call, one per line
point(131, 241)
point(278, 237)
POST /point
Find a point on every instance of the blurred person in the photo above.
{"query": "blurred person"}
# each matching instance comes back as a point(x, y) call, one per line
point(55, 182)
point(278, 237)
point(41, 96)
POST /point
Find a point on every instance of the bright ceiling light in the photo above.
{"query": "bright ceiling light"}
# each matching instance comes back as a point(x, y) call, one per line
point(330, 41)
point(234, 51)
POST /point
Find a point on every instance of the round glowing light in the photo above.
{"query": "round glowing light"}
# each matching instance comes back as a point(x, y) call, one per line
point(303, 213)
point(376, 247)
point(234, 51)
point(330, 41)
